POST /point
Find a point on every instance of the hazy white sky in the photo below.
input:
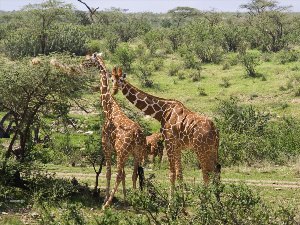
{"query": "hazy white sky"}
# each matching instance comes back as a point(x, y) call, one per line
point(150, 5)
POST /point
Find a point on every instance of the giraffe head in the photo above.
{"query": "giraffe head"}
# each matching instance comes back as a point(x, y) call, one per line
point(118, 78)
point(93, 61)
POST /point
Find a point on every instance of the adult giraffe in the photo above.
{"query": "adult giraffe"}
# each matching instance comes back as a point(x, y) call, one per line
point(181, 128)
point(118, 132)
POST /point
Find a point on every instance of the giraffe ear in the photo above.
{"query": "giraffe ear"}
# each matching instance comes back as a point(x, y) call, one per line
point(120, 72)
point(114, 71)
point(124, 75)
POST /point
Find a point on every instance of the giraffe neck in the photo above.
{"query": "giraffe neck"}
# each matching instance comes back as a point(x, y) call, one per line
point(109, 104)
point(148, 104)
point(106, 98)
point(105, 93)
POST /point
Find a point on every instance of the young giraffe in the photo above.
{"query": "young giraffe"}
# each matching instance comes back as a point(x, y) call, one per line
point(181, 128)
point(155, 146)
point(118, 132)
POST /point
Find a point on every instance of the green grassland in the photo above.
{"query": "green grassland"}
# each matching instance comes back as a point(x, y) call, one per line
point(266, 92)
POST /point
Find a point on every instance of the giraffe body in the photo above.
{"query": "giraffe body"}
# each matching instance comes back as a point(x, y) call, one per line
point(155, 146)
point(181, 129)
point(119, 133)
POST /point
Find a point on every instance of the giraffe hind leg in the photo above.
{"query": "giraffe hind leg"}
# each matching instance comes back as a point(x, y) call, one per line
point(123, 183)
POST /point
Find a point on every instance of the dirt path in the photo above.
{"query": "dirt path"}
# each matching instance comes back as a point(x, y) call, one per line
point(277, 184)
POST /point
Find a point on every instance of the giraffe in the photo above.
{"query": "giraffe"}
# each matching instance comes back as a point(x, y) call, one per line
point(155, 146)
point(180, 127)
point(119, 133)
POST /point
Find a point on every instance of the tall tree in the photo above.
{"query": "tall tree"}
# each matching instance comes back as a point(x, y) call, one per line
point(34, 91)
point(270, 22)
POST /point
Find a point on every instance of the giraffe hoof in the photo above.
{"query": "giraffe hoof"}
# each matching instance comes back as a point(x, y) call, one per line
point(105, 206)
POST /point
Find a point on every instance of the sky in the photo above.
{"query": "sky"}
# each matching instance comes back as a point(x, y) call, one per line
point(157, 6)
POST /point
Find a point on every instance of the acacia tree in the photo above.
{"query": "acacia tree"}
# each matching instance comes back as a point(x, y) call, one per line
point(31, 92)
point(270, 23)
point(182, 14)
point(44, 28)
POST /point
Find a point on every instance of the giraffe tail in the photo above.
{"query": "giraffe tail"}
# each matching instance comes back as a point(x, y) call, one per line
point(141, 177)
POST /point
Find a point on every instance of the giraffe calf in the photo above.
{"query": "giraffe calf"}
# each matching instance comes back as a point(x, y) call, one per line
point(155, 146)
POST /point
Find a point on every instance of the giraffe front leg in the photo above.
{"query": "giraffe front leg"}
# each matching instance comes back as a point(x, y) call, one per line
point(119, 178)
point(107, 155)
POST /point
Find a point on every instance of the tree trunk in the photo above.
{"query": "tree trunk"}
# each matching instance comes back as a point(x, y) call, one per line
point(97, 177)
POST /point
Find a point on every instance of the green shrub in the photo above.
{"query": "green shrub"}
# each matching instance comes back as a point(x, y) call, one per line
point(181, 75)
point(157, 63)
point(125, 55)
point(226, 66)
point(195, 75)
point(174, 68)
point(144, 74)
point(231, 58)
point(287, 56)
point(94, 46)
point(201, 91)
point(297, 92)
point(250, 136)
point(69, 214)
point(209, 52)
point(21, 43)
point(225, 82)
point(250, 60)
point(213, 204)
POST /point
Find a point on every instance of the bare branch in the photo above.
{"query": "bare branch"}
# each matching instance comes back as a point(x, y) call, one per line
point(91, 10)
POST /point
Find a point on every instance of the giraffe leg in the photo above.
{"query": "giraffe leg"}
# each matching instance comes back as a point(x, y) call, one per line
point(209, 165)
point(123, 183)
point(135, 173)
point(172, 174)
point(120, 168)
point(107, 155)
point(178, 167)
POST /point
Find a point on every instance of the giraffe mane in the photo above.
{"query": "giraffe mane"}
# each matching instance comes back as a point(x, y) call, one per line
point(159, 98)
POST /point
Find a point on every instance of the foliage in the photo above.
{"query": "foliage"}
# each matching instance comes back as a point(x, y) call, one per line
point(249, 135)
point(144, 75)
point(215, 204)
point(30, 92)
point(287, 56)
point(45, 29)
point(270, 25)
point(124, 55)
point(250, 60)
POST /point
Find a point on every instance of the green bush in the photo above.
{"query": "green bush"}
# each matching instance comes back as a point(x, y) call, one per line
point(157, 63)
point(250, 60)
point(287, 56)
point(94, 46)
point(214, 204)
point(249, 135)
point(21, 43)
point(174, 68)
point(225, 82)
point(63, 37)
point(125, 55)
point(209, 52)
point(194, 74)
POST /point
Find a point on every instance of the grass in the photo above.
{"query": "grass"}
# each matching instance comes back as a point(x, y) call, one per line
point(267, 95)
point(267, 91)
